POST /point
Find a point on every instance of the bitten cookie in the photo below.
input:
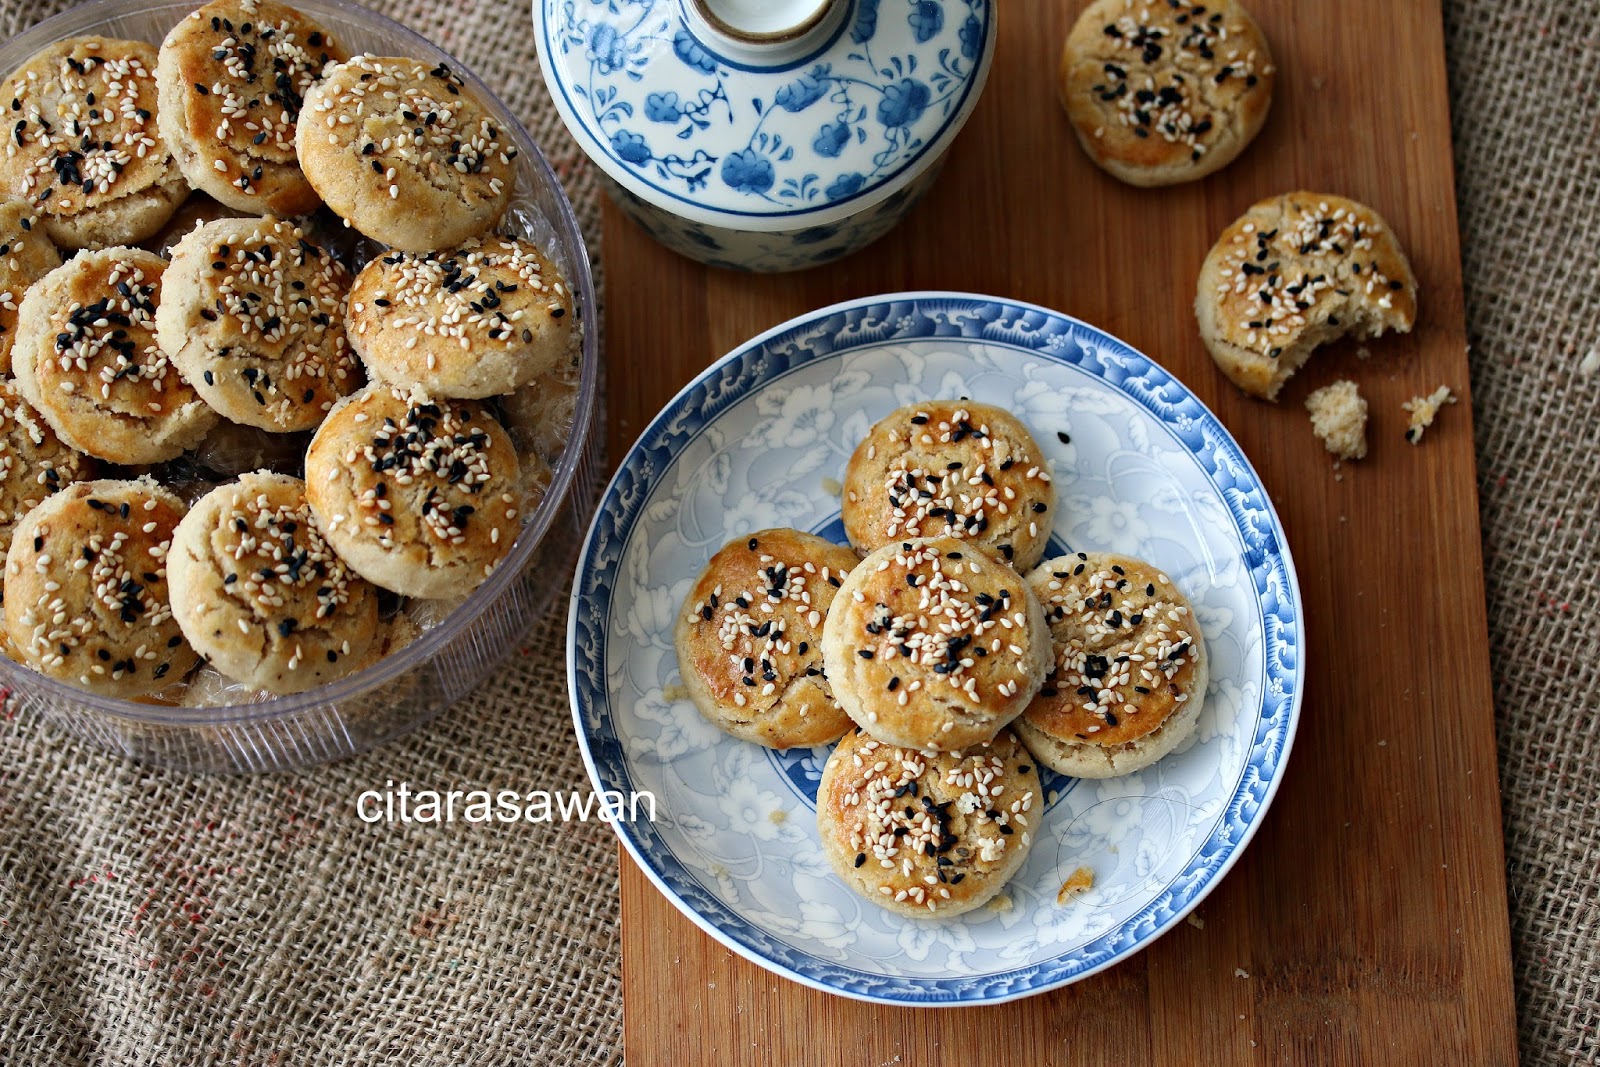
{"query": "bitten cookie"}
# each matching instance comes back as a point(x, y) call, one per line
point(1294, 272)
point(928, 836)
point(474, 321)
point(33, 461)
point(405, 152)
point(86, 588)
point(1165, 91)
point(260, 594)
point(418, 496)
point(232, 77)
point(252, 313)
point(26, 255)
point(1130, 671)
point(950, 469)
point(86, 357)
point(83, 148)
point(935, 644)
point(749, 638)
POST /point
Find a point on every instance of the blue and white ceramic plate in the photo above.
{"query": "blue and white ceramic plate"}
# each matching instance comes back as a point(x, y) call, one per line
point(759, 440)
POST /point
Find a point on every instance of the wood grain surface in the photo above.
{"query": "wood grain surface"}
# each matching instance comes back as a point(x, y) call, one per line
point(1366, 923)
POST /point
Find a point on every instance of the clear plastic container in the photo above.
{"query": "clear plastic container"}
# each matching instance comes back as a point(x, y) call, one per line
point(448, 659)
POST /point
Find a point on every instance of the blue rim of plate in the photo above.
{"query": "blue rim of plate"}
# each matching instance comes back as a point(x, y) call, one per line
point(1039, 333)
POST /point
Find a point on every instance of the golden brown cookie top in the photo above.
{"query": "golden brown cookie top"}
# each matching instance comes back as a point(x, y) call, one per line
point(253, 314)
point(87, 358)
point(749, 638)
point(86, 587)
point(242, 68)
point(420, 495)
point(260, 592)
point(1127, 649)
point(405, 152)
point(938, 833)
point(950, 468)
point(82, 115)
point(935, 644)
point(1156, 85)
point(1291, 259)
point(480, 319)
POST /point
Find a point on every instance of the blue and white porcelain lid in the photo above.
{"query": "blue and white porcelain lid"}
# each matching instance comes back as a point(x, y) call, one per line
point(765, 115)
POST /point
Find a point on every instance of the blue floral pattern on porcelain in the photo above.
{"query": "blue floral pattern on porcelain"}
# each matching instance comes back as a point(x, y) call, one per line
point(778, 148)
point(758, 440)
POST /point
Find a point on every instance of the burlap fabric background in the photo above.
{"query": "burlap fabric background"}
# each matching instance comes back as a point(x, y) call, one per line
point(148, 917)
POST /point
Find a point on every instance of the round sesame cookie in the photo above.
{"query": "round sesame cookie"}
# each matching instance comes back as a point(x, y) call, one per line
point(1165, 91)
point(1293, 273)
point(935, 644)
point(929, 836)
point(252, 313)
point(260, 594)
point(86, 357)
point(419, 496)
point(83, 147)
point(405, 152)
point(86, 588)
point(473, 321)
point(26, 255)
point(749, 639)
point(950, 469)
point(1129, 672)
point(232, 77)
point(33, 461)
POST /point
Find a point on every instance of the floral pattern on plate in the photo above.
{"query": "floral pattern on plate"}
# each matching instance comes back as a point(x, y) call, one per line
point(760, 439)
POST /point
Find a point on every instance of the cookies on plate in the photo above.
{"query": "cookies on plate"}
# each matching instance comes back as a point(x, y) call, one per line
point(86, 358)
point(86, 588)
point(26, 255)
point(749, 638)
point(83, 148)
point(928, 836)
point(1295, 272)
point(252, 313)
point(1165, 91)
point(419, 496)
point(935, 644)
point(1129, 672)
point(259, 593)
point(33, 461)
point(232, 77)
point(405, 152)
point(948, 468)
point(478, 320)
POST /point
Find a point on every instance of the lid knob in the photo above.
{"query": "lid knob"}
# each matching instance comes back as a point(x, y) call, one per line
point(763, 31)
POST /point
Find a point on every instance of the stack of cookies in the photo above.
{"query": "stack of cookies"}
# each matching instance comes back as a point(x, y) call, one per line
point(924, 646)
point(227, 461)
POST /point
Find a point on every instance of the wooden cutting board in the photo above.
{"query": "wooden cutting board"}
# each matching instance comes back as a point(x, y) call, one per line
point(1366, 923)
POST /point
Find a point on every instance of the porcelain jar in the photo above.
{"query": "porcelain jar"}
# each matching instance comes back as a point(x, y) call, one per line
point(765, 135)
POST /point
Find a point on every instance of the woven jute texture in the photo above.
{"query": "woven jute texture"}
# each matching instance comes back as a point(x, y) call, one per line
point(150, 917)
point(1525, 84)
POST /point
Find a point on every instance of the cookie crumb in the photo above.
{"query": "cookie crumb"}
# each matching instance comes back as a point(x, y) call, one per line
point(1423, 409)
point(1240, 972)
point(832, 487)
point(1339, 419)
point(675, 693)
point(1590, 365)
point(1077, 883)
point(1195, 921)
